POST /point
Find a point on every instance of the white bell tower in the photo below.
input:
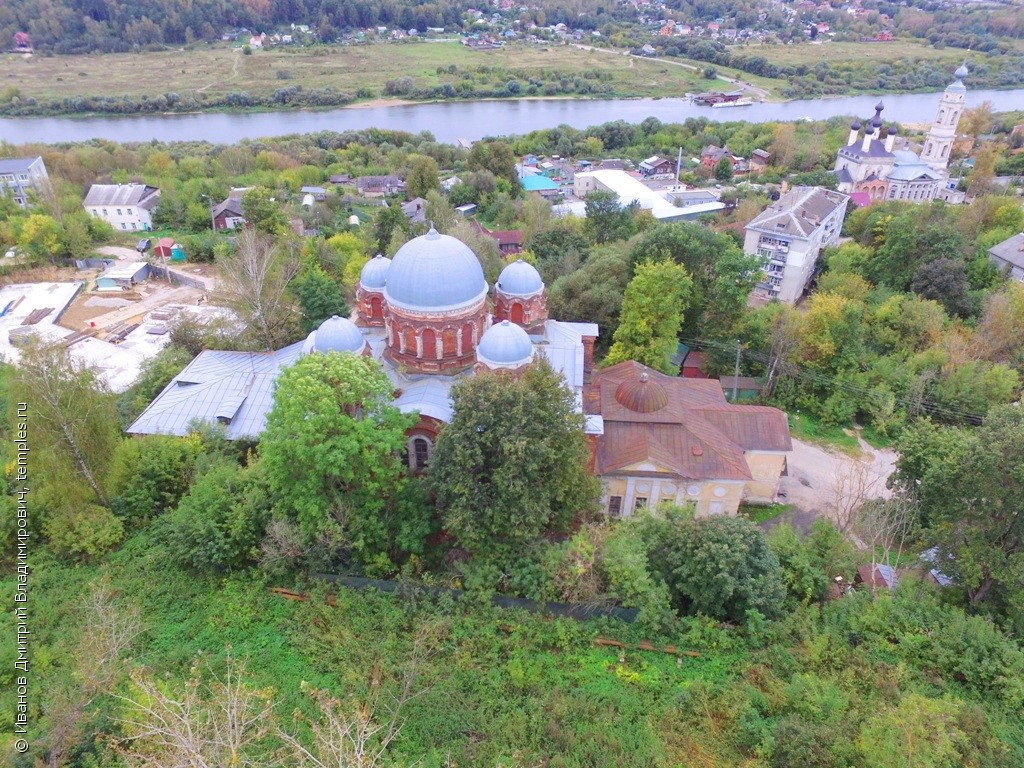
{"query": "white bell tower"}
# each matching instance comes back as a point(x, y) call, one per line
point(939, 142)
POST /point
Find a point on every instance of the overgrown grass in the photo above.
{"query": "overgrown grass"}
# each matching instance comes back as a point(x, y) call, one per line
point(506, 687)
point(761, 513)
point(876, 439)
point(806, 428)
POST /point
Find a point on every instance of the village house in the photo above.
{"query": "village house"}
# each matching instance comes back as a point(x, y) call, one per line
point(379, 186)
point(1008, 257)
point(658, 166)
point(126, 207)
point(676, 440)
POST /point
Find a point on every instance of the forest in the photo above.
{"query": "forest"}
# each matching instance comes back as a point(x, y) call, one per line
point(909, 334)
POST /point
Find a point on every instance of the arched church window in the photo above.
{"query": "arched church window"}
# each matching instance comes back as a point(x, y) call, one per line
point(376, 309)
point(942, 115)
point(429, 344)
point(945, 151)
point(928, 149)
point(419, 453)
point(517, 313)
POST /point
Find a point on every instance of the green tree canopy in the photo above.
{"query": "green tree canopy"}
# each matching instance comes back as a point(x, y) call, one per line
point(331, 452)
point(970, 483)
point(721, 567)
point(652, 313)
point(513, 461)
point(424, 177)
point(263, 212)
point(607, 219)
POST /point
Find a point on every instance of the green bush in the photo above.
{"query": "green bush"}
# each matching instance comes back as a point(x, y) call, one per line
point(150, 474)
point(219, 523)
point(83, 532)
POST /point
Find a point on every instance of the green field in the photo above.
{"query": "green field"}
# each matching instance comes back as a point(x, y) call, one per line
point(833, 52)
point(216, 71)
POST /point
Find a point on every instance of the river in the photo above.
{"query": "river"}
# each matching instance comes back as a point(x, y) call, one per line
point(450, 121)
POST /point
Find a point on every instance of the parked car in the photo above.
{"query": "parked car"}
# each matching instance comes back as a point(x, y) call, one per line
point(143, 245)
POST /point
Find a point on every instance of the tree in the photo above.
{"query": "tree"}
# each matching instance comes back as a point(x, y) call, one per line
point(886, 526)
point(387, 223)
point(108, 631)
point(496, 157)
point(319, 296)
point(721, 567)
point(593, 293)
point(424, 176)
point(149, 475)
point(211, 720)
point(720, 271)
point(42, 237)
point(607, 219)
point(944, 281)
point(263, 212)
point(918, 733)
point(560, 248)
point(971, 489)
point(513, 461)
point(220, 521)
point(723, 170)
point(254, 281)
point(73, 421)
point(331, 455)
point(652, 314)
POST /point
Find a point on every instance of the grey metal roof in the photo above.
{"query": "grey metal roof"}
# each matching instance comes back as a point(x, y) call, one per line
point(504, 343)
point(139, 195)
point(520, 278)
point(234, 388)
point(1010, 251)
point(798, 212)
point(17, 164)
point(434, 271)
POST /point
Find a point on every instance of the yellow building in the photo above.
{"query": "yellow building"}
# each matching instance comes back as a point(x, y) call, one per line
point(670, 439)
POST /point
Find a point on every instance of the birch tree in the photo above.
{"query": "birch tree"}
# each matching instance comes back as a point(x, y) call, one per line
point(254, 282)
point(72, 419)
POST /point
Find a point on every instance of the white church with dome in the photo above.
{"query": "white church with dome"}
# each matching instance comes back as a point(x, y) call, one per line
point(427, 315)
point(885, 167)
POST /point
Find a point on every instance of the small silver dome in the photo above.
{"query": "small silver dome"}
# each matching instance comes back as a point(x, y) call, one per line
point(855, 125)
point(519, 278)
point(906, 157)
point(375, 271)
point(434, 271)
point(962, 71)
point(335, 334)
point(504, 345)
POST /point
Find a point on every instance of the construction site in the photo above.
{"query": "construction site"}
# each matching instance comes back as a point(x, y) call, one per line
point(113, 313)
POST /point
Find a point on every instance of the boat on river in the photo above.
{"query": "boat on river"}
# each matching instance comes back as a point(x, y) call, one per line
point(736, 103)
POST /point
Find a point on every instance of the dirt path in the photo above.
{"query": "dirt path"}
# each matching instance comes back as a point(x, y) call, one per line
point(760, 93)
point(814, 474)
point(234, 71)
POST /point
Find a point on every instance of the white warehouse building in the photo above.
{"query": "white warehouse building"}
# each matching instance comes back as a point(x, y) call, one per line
point(631, 190)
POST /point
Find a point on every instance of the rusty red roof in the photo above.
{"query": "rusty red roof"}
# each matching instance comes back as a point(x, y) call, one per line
point(688, 428)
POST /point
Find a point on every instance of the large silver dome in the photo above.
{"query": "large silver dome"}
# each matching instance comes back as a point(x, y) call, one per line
point(335, 334)
point(504, 345)
point(520, 278)
point(434, 272)
point(374, 272)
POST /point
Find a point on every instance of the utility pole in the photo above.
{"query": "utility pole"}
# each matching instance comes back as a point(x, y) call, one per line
point(679, 163)
point(736, 374)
